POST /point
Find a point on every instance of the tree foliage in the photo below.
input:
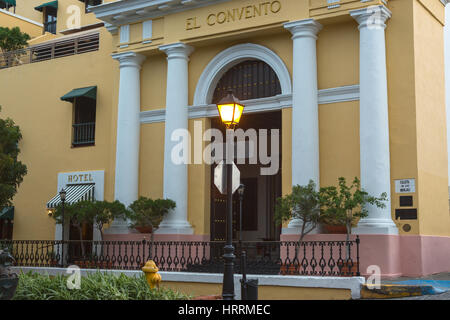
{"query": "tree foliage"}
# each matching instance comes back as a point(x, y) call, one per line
point(344, 204)
point(12, 170)
point(12, 40)
point(96, 213)
point(303, 203)
point(146, 212)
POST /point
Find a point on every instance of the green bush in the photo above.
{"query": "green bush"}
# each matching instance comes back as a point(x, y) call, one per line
point(95, 286)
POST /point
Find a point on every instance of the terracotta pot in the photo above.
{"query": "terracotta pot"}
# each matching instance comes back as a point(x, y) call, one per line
point(335, 229)
point(347, 271)
point(144, 229)
point(288, 269)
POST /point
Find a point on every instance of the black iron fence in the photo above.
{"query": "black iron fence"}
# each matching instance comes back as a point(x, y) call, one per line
point(319, 258)
point(50, 26)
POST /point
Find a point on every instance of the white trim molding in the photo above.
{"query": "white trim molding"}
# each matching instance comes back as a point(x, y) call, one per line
point(130, 11)
point(230, 57)
point(326, 96)
point(22, 18)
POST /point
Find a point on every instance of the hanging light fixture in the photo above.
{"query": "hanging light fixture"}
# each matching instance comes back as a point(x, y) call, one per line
point(230, 110)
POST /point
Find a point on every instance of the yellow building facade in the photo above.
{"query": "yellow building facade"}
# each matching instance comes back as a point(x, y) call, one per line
point(352, 88)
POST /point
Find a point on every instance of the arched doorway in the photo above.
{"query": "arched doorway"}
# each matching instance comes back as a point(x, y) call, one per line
point(249, 80)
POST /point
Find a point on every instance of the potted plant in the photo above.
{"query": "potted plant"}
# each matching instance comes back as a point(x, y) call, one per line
point(303, 204)
point(333, 226)
point(146, 214)
point(345, 205)
point(101, 213)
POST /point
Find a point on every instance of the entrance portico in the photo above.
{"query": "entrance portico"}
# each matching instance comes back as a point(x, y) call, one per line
point(334, 70)
point(303, 98)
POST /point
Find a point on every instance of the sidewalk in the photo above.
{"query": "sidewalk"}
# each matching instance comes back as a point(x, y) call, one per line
point(432, 287)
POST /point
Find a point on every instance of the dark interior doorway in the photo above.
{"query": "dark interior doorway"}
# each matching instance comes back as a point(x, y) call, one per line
point(80, 250)
point(249, 80)
point(261, 191)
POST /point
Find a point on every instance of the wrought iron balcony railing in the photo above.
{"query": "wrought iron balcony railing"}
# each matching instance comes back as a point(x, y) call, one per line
point(318, 258)
point(50, 27)
point(53, 50)
point(83, 134)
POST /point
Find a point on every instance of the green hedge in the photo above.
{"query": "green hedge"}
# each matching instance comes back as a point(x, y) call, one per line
point(95, 286)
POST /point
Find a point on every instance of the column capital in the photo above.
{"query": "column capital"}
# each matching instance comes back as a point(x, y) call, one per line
point(129, 59)
point(373, 17)
point(303, 28)
point(177, 50)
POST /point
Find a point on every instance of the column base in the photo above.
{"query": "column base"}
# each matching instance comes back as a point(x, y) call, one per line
point(375, 226)
point(295, 227)
point(118, 227)
point(175, 230)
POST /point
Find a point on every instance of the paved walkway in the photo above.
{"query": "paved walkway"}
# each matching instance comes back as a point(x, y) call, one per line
point(435, 277)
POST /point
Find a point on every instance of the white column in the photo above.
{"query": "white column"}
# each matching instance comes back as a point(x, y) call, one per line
point(128, 134)
point(374, 121)
point(305, 111)
point(175, 173)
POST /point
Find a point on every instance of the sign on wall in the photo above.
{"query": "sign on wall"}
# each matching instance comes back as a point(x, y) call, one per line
point(405, 186)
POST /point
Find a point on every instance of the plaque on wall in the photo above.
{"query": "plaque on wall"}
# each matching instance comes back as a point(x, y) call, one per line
point(405, 186)
point(406, 201)
point(406, 214)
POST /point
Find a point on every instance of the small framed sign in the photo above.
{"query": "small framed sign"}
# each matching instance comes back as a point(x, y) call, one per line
point(405, 186)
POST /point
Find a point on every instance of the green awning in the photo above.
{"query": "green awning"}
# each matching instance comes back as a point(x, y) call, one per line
point(51, 4)
point(7, 213)
point(10, 2)
point(88, 92)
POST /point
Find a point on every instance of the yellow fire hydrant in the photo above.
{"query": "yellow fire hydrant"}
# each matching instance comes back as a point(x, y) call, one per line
point(151, 273)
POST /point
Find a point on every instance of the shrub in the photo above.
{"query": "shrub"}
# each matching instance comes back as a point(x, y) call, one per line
point(94, 286)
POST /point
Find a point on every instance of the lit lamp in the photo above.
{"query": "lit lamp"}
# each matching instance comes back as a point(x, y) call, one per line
point(50, 212)
point(230, 111)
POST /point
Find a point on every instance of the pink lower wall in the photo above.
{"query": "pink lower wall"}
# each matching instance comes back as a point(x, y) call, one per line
point(396, 255)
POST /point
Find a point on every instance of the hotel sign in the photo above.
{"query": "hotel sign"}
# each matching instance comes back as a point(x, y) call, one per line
point(234, 15)
point(405, 186)
point(80, 178)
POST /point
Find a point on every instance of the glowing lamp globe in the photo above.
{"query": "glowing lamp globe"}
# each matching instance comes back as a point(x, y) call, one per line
point(230, 110)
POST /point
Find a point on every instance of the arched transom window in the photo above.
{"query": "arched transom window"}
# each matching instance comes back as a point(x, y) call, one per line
point(251, 79)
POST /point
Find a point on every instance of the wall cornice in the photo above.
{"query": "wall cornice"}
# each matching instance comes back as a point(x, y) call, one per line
point(325, 96)
point(129, 11)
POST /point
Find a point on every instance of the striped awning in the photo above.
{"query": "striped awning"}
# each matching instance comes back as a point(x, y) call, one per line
point(74, 193)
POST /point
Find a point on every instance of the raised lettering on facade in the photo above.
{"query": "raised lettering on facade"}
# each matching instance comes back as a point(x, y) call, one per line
point(235, 14)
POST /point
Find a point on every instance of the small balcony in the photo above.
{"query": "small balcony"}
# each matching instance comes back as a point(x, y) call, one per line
point(50, 27)
point(83, 134)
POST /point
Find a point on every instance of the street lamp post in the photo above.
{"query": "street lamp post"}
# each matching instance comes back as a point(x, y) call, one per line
point(62, 196)
point(230, 111)
point(240, 191)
